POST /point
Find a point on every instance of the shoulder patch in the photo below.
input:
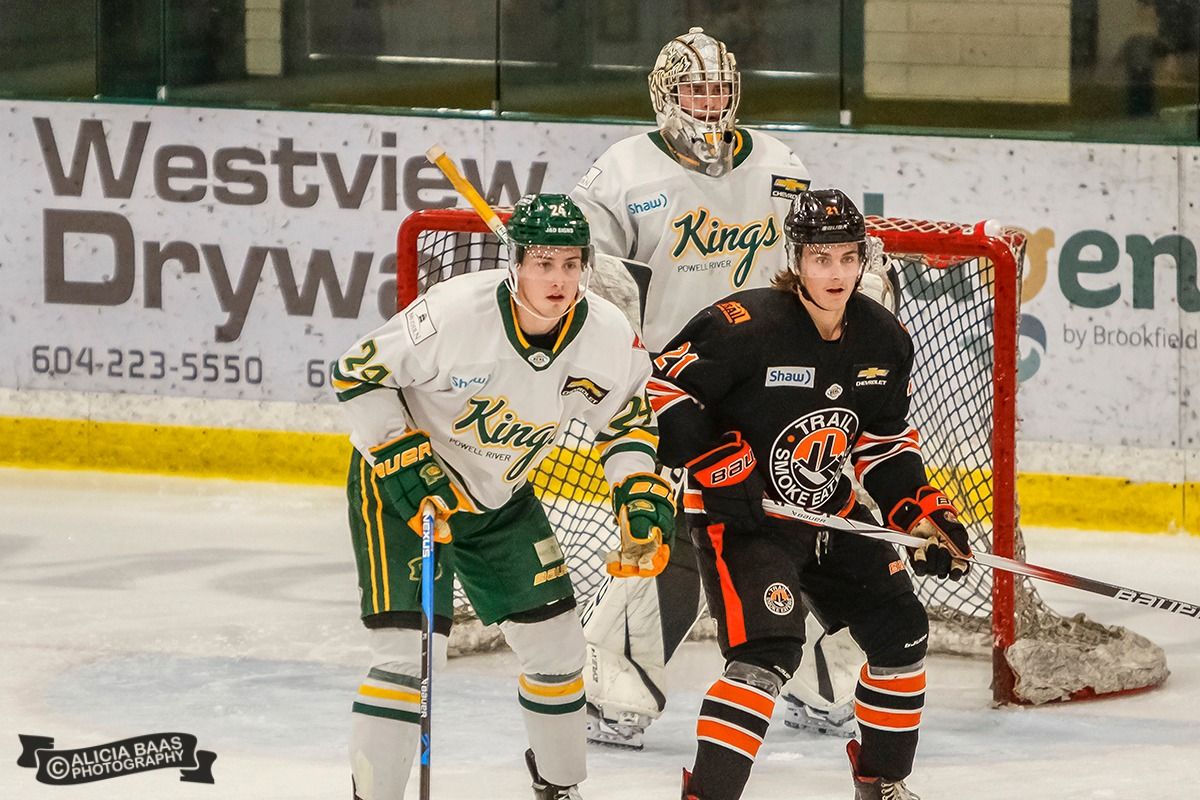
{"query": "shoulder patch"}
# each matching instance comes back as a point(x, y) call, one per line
point(586, 181)
point(785, 186)
point(734, 312)
point(592, 391)
point(419, 322)
point(872, 376)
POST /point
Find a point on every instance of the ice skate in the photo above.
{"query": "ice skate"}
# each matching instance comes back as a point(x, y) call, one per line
point(834, 722)
point(874, 788)
point(548, 791)
point(624, 731)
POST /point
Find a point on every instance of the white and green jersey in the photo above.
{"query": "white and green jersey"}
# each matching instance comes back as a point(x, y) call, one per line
point(455, 364)
point(703, 237)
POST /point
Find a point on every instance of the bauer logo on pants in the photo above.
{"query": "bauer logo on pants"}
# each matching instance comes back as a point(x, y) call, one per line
point(779, 599)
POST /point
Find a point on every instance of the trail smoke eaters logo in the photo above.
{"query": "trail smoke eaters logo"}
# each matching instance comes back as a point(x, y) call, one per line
point(116, 759)
point(808, 455)
point(779, 599)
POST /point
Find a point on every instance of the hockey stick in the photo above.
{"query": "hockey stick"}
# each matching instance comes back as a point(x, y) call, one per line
point(428, 565)
point(832, 522)
point(438, 157)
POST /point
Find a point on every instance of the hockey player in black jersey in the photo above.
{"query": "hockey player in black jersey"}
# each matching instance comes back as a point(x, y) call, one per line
point(769, 393)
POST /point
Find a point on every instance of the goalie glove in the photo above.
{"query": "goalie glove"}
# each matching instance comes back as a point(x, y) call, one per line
point(645, 509)
point(729, 485)
point(930, 514)
point(408, 474)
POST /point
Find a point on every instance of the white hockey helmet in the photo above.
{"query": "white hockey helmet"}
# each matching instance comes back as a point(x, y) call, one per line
point(695, 88)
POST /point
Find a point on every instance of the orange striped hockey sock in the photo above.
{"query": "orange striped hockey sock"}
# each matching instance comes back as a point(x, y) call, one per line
point(888, 703)
point(733, 721)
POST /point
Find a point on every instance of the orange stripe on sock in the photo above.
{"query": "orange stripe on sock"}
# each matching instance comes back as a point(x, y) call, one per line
point(735, 622)
point(905, 684)
point(728, 734)
point(895, 720)
point(743, 696)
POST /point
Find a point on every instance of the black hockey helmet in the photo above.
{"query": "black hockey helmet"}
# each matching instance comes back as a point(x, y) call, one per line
point(824, 216)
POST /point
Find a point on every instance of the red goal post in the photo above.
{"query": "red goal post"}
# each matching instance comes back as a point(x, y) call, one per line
point(961, 302)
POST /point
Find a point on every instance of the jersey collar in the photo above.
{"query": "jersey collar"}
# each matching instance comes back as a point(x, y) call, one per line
point(742, 145)
point(538, 357)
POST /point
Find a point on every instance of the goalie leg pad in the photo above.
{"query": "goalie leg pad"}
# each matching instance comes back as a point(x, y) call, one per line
point(386, 713)
point(551, 693)
point(626, 664)
point(820, 696)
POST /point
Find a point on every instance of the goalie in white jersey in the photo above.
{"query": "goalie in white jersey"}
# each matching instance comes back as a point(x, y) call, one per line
point(702, 202)
point(455, 399)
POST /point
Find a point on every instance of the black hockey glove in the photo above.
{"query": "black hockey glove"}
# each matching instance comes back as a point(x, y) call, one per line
point(729, 484)
point(947, 549)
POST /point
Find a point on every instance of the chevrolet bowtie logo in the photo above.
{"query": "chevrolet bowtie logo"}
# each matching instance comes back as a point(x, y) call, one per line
point(873, 372)
point(790, 184)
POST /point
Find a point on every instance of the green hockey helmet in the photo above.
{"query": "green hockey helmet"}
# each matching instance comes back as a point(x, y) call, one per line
point(545, 221)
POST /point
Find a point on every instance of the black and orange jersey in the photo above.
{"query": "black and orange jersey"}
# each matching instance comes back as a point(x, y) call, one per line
point(755, 363)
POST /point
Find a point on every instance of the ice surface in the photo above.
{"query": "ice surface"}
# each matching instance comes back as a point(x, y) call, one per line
point(136, 604)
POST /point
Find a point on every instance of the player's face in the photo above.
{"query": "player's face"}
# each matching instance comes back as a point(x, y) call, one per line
point(705, 100)
point(548, 280)
point(830, 272)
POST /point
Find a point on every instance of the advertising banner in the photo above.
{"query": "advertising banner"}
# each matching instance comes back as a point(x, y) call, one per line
point(219, 253)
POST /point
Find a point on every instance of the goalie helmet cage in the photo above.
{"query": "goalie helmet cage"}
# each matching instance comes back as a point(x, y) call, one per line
point(961, 303)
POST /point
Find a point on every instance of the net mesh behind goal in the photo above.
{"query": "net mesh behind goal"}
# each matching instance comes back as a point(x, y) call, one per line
point(960, 287)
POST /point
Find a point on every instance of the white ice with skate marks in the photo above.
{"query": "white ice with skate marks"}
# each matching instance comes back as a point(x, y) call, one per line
point(133, 605)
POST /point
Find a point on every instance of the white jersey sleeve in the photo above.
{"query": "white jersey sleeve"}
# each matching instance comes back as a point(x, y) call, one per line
point(401, 353)
point(598, 195)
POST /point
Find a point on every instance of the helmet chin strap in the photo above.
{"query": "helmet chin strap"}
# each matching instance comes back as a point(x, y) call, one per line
point(805, 294)
point(514, 292)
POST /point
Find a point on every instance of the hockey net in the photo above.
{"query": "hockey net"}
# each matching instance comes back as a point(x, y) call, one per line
point(960, 290)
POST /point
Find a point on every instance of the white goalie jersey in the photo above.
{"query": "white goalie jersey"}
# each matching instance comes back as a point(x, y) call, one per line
point(702, 237)
point(455, 364)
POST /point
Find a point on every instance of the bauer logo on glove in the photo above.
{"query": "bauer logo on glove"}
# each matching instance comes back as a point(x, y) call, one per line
point(645, 509)
point(947, 549)
point(408, 475)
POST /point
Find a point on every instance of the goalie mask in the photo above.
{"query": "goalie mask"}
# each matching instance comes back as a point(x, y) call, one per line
point(825, 217)
point(547, 222)
point(695, 88)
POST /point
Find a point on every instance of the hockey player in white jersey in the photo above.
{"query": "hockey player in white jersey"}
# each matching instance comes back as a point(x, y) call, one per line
point(455, 399)
point(701, 201)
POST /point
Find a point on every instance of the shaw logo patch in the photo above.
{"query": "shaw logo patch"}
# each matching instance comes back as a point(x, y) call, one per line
point(807, 457)
point(734, 312)
point(468, 382)
point(804, 377)
point(784, 186)
point(779, 599)
point(872, 376)
point(642, 206)
point(586, 387)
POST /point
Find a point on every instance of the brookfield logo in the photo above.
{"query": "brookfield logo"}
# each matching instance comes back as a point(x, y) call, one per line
point(653, 204)
point(711, 236)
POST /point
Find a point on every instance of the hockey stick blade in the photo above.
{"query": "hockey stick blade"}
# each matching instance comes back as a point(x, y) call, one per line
point(1135, 596)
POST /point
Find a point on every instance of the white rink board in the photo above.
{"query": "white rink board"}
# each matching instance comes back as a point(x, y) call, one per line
point(241, 314)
